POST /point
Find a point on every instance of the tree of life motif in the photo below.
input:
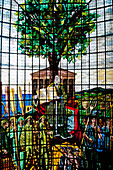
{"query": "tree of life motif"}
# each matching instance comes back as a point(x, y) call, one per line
point(55, 29)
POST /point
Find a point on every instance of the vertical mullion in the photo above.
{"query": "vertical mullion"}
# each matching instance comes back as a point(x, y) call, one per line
point(25, 63)
point(81, 77)
point(97, 58)
point(1, 70)
point(32, 87)
point(97, 45)
point(32, 71)
point(9, 45)
point(1, 60)
point(105, 53)
point(39, 55)
point(67, 69)
point(10, 55)
point(25, 74)
point(39, 71)
point(74, 82)
point(89, 57)
point(17, 59)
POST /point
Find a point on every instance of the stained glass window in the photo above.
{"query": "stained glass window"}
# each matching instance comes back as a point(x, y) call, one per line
point(56, 84)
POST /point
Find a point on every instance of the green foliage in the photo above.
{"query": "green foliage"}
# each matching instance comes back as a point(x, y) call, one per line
point(55, 27)
point(69, 112)
point(98, 94)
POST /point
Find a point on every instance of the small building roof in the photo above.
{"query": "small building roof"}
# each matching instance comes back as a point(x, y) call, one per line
point(46, 71)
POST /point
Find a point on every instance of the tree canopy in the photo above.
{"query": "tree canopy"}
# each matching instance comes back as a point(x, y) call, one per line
point(55, 29)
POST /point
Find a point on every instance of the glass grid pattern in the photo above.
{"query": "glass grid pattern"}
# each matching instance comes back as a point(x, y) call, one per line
point(56, 84)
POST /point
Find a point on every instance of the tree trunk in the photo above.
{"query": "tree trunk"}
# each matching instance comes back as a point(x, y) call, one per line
point(53, 62)
point(53, 73)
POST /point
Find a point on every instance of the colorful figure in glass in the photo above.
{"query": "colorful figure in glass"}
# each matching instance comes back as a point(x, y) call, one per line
point(26, 137)
point(44, 134)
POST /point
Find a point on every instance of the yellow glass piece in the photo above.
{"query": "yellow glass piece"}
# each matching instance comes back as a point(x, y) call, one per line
point(84, 13)
point(62, 22)
point(23, 6)
point(28, 108)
